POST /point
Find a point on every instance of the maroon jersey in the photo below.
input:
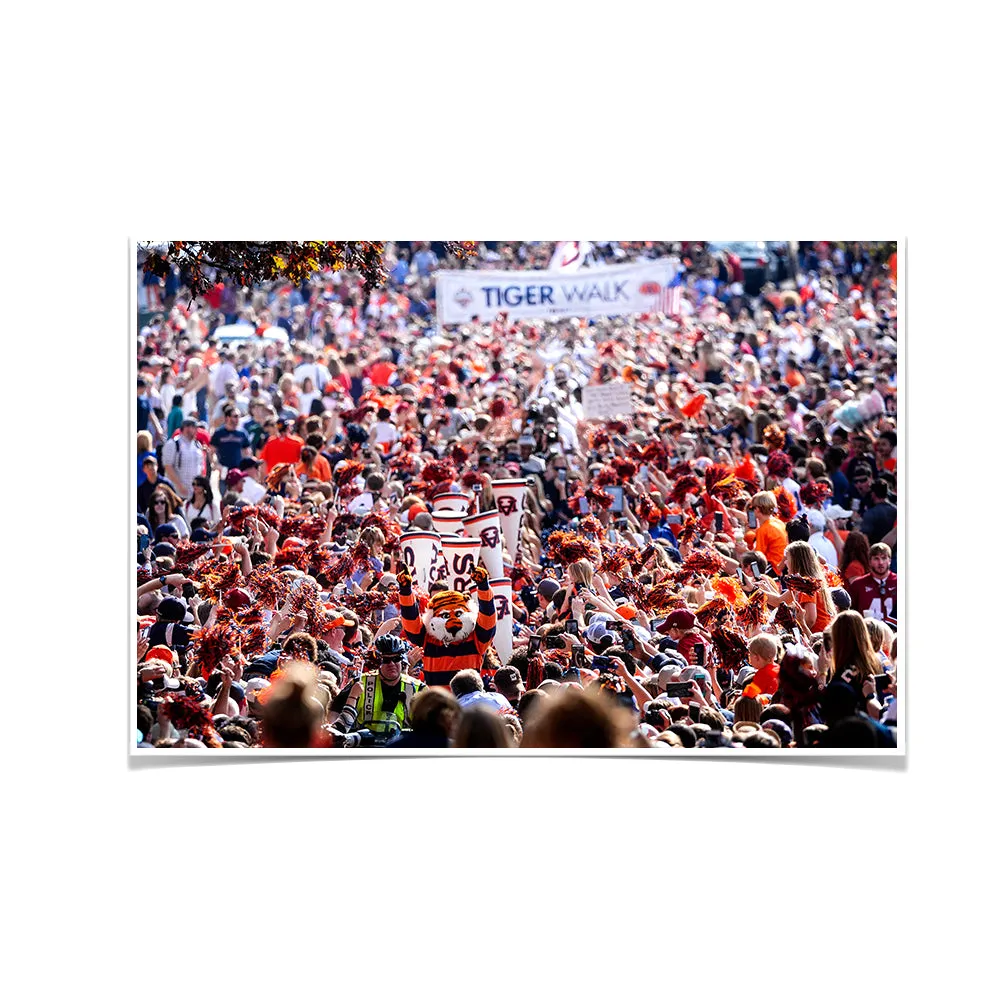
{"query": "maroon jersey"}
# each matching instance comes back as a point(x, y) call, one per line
point(873, 599)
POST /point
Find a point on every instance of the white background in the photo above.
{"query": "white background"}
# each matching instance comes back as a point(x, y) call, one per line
point(485, 877)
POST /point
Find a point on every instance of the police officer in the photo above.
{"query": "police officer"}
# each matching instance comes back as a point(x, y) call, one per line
point(380, 699)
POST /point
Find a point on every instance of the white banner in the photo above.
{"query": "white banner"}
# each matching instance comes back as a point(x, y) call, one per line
point(613, 399)
point(593, 291)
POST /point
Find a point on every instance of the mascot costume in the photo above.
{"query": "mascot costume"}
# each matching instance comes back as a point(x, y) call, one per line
point(452, 635)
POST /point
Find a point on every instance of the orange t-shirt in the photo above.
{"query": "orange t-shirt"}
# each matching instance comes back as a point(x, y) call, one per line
point(771, 539)
point(281, 449)
point(823, 617)
point(852, 571)
point(794, 379)
point(320, 470)
point(381, 372)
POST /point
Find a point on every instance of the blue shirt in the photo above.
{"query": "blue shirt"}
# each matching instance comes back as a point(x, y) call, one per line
point(229, 446)
point(841, 488)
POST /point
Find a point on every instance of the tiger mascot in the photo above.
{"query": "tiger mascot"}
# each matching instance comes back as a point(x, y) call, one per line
point(452, 635)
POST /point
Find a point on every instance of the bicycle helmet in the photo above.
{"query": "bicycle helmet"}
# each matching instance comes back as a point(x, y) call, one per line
point(390, 647)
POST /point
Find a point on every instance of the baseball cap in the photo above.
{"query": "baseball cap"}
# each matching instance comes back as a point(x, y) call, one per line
point(836, 512)
point(189, 422)
point(816, 520)
point(250, 463)
point(744, 677)
point(681, 618)
point(164, 549)
point(171, 609)
point(596, 631)
point(547, 588)
point(841, 598)
point(234, 477)
point(509, 676)
point(667, 675)
point(237, 597)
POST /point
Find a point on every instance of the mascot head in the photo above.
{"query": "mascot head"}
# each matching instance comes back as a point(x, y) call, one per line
point(449, 617)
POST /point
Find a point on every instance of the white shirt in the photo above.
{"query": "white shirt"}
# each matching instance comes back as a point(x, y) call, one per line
point(386, 432)
point(210, 512)
point(224, 372)
point(361, 504)
point(252, 491)
point(491, 700)
point(186, 458)
point(823, 547)
point(319, 375)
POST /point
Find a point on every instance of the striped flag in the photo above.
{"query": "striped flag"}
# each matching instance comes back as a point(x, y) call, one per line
point(672, 300)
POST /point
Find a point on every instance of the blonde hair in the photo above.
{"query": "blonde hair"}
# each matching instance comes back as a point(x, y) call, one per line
point(582, 571)
point(765, 501)
point(143, 442)
point(765, 646)
point(372, 537)
point(880, 634)
point(801, 559)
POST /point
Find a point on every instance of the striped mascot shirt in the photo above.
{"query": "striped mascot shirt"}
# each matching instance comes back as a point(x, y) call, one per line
point(441, 663)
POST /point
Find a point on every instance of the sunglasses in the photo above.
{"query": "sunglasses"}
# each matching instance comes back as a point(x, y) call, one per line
point(159, 503)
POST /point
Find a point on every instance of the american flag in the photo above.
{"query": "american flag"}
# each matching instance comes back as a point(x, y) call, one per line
point(670, 301)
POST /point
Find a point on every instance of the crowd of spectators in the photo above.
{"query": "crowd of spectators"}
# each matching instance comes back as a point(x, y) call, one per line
point(716, 569)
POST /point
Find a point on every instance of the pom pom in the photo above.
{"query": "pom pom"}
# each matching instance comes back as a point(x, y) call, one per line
point(186, 712)
point(752, 615)
point(277, 475)
point(803, 584)
point(731, 648)
point(348, 471)
point(784, 618)
point(729, 588)
point(188, 553)
point(599, 499)
point(599, 439)
point(774, 437)
point(209, 646)
point(687, 530)
point(306, 527)
point(779, 465)
point(747, 471)
point(439, 471)
point(568, 547)
point(787, 508)
point(241, 517)
point(654, 454)
point(647, 510)
point(703, 561)
point(660, 597)
point(815, 494)
point(715, 613)
point(606, 477)
point(682, 487)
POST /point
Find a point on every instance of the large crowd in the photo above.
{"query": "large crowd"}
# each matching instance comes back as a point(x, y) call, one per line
point(714, 569)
